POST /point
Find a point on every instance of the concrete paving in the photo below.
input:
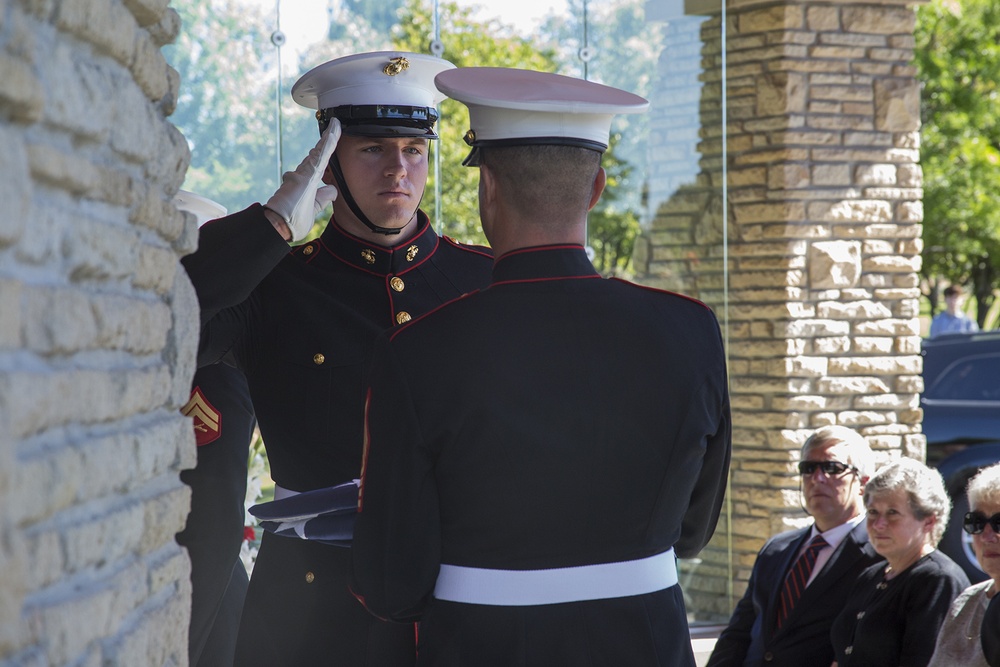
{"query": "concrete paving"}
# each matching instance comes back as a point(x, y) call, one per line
point(703, 641)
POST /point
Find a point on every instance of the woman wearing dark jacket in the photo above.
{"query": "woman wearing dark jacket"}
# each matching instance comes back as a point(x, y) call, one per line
point(896, 608)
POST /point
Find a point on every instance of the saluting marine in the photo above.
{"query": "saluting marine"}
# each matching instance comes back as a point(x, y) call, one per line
point(301, 326)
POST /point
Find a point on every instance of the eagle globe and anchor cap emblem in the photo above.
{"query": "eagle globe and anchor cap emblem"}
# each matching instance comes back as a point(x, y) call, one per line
point(396, 66)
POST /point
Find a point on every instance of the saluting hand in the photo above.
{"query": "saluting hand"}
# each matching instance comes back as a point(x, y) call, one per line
point(302, 194)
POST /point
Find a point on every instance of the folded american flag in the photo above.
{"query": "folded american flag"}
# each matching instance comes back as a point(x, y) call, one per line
point(322, 515)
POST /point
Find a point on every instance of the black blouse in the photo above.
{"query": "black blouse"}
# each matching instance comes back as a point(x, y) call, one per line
point(895, 623)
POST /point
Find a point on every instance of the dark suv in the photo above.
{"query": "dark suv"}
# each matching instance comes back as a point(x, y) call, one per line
point(961, 403)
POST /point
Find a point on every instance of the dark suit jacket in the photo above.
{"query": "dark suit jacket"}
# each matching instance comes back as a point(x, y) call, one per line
point(804, 638)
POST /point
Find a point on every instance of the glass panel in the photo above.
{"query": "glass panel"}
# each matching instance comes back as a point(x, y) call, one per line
point(973, 379)
point(663, 220)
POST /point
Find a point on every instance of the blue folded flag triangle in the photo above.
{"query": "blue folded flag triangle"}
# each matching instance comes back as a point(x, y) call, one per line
point(322, 515)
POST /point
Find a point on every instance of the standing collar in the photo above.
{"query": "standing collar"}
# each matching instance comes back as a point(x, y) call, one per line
point(382, 260)
point(544, 263)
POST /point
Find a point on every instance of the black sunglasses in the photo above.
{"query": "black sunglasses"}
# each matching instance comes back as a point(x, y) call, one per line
point(831, 468)
point(975, 523)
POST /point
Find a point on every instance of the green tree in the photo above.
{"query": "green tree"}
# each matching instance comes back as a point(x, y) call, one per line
point(382, 15)
point(958, 58)
point(467, 42)
point(226, 106)
point(621, 51)
point(613, 225)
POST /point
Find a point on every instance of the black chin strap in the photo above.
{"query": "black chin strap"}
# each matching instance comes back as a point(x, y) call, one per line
point(345, 194)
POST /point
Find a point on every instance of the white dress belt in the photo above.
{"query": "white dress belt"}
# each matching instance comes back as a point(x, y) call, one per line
point(517, 588)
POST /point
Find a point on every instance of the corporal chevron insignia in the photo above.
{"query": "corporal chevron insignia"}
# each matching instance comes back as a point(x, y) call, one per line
point(207, 420)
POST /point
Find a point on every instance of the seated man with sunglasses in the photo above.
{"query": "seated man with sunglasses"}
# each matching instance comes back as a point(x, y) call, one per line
point(801, 578)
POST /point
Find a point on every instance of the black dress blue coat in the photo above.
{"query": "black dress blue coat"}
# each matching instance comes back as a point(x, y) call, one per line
point(555, 419)
point(224, 421)
point(301, 325)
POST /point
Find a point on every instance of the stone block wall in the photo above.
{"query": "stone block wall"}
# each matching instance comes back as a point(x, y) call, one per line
point(812, 261)
point(98, 330)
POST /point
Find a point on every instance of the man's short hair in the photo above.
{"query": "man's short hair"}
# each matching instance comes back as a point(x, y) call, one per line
point(953, 290)
point(859, 452)
point(544, 180)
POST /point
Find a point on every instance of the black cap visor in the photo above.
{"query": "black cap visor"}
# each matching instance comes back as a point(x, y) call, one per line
point(377, 120)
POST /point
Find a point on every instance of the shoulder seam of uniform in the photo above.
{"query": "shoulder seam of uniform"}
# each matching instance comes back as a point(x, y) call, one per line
point(474, 249)
point(663, 291)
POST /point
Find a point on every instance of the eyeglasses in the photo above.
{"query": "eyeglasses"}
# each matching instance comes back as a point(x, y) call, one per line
point(830, 468)
point(975, 523)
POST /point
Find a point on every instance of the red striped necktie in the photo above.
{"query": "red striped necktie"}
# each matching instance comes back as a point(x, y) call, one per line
point(797, 578)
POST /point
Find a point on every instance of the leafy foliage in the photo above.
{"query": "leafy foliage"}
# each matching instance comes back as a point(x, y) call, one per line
point(466, 43)
point(958, 57)
point(225, 108)
point(228, 108)
point(623, 49)
point(613, 224)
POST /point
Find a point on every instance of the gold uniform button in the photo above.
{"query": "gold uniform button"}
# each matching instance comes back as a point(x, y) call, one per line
point(402, 317)
point(319, 358)
point(397, 284)
point(308, 250)
point(310, 577)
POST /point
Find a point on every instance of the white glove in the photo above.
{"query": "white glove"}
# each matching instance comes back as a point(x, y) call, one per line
point(302, 194)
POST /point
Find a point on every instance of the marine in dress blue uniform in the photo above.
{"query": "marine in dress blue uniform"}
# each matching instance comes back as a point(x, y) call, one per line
point(540, 451)
point(223, 419)
point(301, 325)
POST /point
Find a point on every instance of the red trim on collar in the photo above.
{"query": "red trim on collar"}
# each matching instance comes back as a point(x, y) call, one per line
point(519, 281)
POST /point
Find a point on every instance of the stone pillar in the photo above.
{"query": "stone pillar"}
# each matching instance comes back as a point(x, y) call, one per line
point(816, 277)
point(98, 330)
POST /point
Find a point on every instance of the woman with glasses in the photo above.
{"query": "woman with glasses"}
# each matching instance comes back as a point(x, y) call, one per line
point(896, 608)
point(958, 643)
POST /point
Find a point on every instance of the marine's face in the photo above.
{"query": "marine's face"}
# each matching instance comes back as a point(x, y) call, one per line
point(386, 177)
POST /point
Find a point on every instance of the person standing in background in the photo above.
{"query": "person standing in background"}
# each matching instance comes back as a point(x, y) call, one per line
point(952, 319)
